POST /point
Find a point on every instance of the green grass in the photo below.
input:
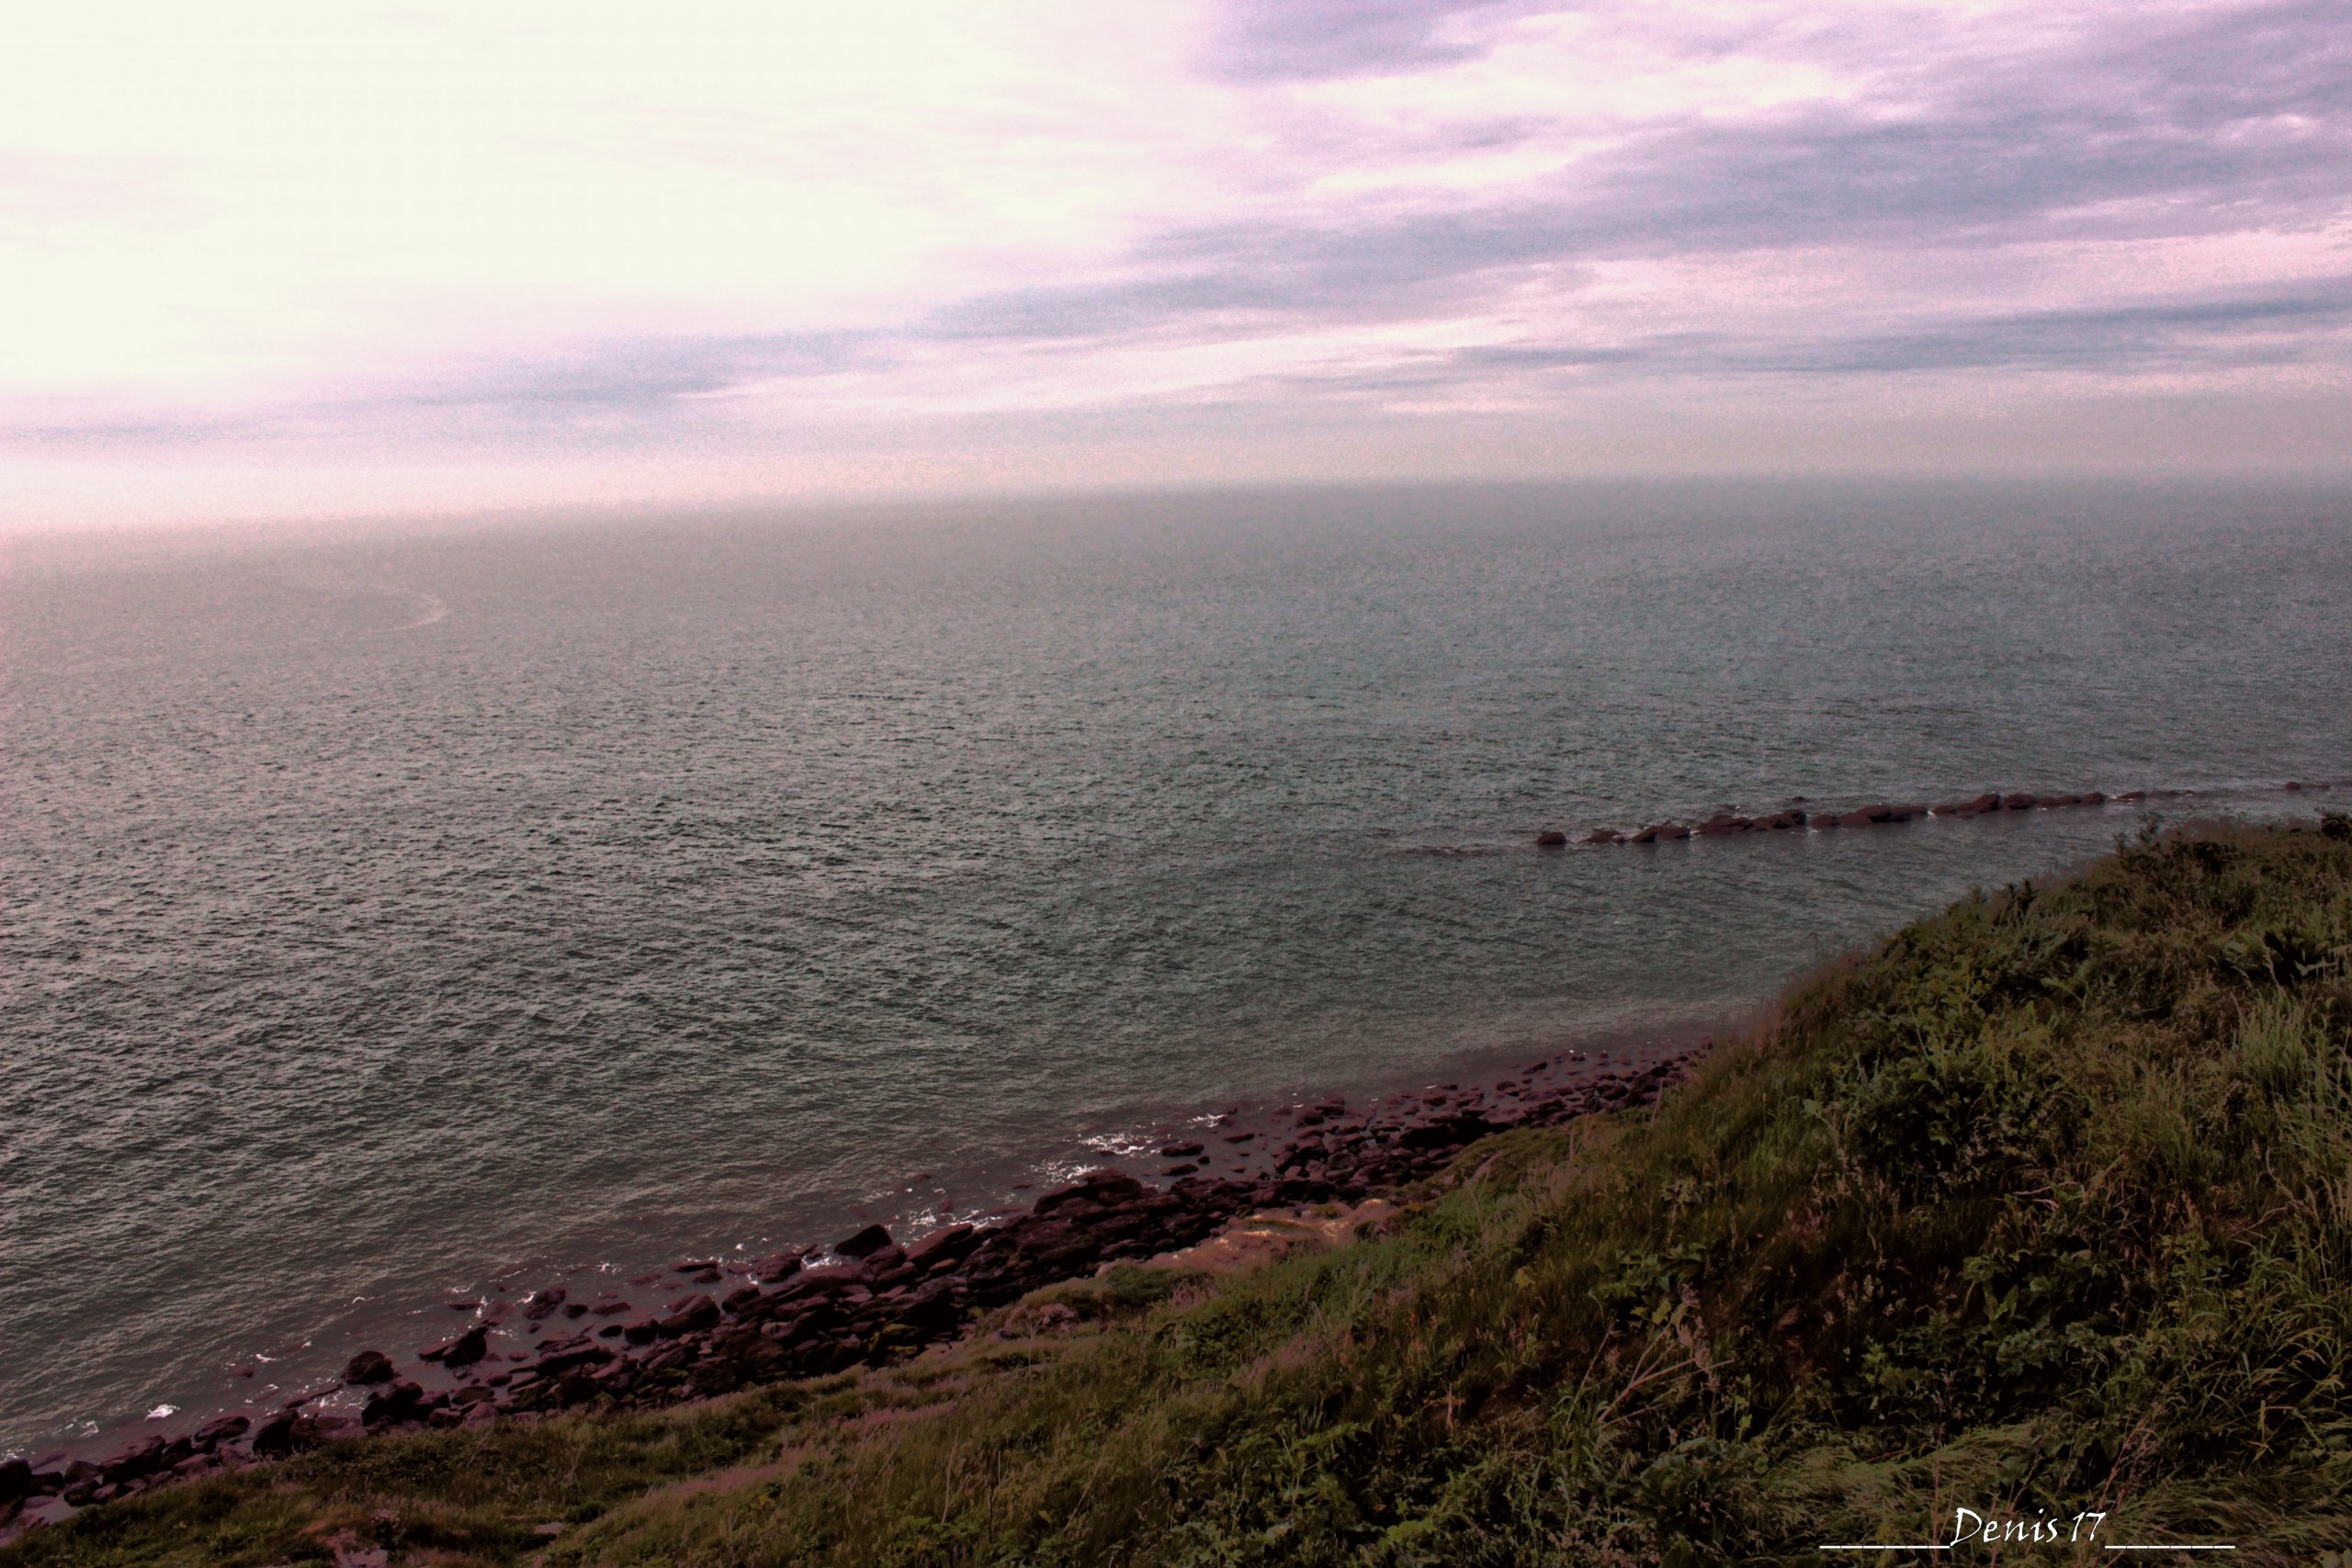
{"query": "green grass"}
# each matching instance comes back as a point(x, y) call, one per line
point(2045, 1206)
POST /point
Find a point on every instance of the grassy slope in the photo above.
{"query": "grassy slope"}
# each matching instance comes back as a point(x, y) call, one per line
point(2047, 1205)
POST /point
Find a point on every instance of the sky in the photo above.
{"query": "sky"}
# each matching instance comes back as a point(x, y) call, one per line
point(261, 260)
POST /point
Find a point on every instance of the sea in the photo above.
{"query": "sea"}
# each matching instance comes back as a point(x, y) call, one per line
point(390, 909)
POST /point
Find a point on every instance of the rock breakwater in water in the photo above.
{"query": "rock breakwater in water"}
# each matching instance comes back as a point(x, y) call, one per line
point(1800, 815)
point(709, 1327)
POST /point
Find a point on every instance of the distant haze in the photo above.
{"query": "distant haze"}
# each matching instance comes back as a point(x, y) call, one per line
point(278, 259)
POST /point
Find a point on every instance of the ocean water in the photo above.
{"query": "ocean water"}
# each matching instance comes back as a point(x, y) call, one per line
point(390, 909)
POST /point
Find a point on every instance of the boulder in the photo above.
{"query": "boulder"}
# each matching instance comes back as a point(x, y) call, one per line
point(567, 1358)
point(778, 1266)
point(1551, 839)
point(2018, 802)
point(221, 1429)
point(543, 1304)
point(366, 1367)
point(400, 1401)
point(865, 1243)
point(132, 1461)
point(687, 1315)
point(44, 1511)
point(952, 1242)
point(829, 1278)
point(462, 1351)
point(1603, 835)
point(275, 1436)
point(1101, 1188)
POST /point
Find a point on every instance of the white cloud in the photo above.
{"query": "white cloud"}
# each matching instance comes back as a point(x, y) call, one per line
point(283, 251)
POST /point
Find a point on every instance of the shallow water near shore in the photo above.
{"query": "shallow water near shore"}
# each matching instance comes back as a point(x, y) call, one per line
point(394, 909)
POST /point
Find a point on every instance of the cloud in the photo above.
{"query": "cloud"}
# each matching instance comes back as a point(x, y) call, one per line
point(1265, 40)
point(1392, 208)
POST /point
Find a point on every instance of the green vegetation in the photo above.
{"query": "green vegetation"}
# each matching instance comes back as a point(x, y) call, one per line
point(2044, 1207)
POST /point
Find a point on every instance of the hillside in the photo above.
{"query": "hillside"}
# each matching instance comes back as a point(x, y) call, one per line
point(2040, 1209)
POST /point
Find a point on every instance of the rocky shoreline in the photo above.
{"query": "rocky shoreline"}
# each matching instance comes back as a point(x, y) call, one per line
point(865, 1299)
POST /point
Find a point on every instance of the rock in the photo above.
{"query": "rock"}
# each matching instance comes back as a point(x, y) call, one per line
point(367, 1367)
point(608, 1305)
point(132, 1461)
point(15, 1480)
point(44, 1511)
point(401, 1401)
point(1097, 1186)
point(1057, 1247)
point(567, 1357)
point(1659, 832)
point(687, 1315)
point(740, 1302)
point(778, 1266)
point(1180, 1150)
point(870, 1240)
point(467, 1347)
point(221, 1429)
point(932, 1310)
point(950, 1242)
point(1551, 839)
point(1722, 825)
point(1603, 835)
point(2092, 798)
point(644, 1331)
point(542, 1304)
point(2019, 802)
point(275, 1436)
point(830, 1279)
point(1827, 819)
